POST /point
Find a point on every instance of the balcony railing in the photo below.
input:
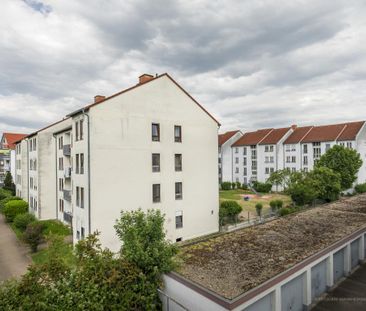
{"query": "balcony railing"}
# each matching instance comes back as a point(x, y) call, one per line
point(67, 195)
point(67, 150)
point(67, 172)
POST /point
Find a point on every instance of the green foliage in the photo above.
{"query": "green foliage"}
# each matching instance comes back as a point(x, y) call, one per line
point(284, 211)
point(228, 211)
point(238, 185)
point(276, 205)
point(98, 281)
point(226, 185)
point(144, 245)
point(280, 178)
point(327, 183)
point(54, 227)
point(4, 193)
point(8, 183)
point(244, 187)
point(14, 208)
point(360, 188)
point(233, 185)
point(262, 187)
point(258, 208)
point(344, 161)
point(21, 221)
point(33, 235)
point(6, 200)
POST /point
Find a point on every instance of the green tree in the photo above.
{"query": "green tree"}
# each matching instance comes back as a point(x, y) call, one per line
point(229, 210)
point(33, 235)
point(327, 183)
point(258, 208)
point(344, 161)
point(301, 188)
point(144, 244)
point(280, 178)
point(8, 183)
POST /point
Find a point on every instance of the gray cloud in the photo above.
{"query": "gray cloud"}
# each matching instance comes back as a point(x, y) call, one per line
point(251, 63)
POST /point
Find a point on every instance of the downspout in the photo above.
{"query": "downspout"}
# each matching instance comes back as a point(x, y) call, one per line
point(89, 209)
point(54, 136)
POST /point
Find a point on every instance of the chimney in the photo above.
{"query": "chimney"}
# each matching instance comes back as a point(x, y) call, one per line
point(145, 77)
point(98, 98)
point(293, 126)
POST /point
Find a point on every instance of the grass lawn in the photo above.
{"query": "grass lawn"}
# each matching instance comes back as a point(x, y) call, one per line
point(249, 206)
point(55, 227)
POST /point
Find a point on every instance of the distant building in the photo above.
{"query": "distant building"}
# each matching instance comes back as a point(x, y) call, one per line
point(225, 156)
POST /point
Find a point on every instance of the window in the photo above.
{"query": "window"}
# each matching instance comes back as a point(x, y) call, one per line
point(155, 129)
point(271, 148)
point(156, 193)
point(293, 147)
point(60, 143)
point(271, 159)
point(81, 132)
point(244, 161)
point(35, 164)
point(316, 150)
point(327, 147)
point(61, 205)
point(349, 144)
point(60, 184)
point(236, 149)
point(178, 191)
point(60, 164)
point(156, 162)
point(266, 148)
point(178, 219)
point(177, 133)
point(236, 160)
point(77, 164)
point(293, 169)
point(245, 151)
point(78, 234)
point(266, 160)
point(82, 235)
point(293, 159)
point(81, 197)
point(254, 165)
point(76, 131)
point(245, 171)
point(31, 182)
point(305, 149)
point(341, 144)
point(267, 170)
point(305, 160)
point(271, 170)
point(81, 163)
point(306, 169)
point(288, 159)
point(178, 162)
point(237, 170)
point(77, 196)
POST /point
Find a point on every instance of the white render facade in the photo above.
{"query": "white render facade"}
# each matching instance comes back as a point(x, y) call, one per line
point(225, 155)
point(150, 147)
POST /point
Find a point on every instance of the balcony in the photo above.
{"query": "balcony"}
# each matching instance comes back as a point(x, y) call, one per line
point(68, 217)
point(67, 150)
point(67, 172)
point(67, 195)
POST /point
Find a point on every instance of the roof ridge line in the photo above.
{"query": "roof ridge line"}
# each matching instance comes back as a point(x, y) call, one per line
point(265, 136)
point(311, 128)
point(341, 132)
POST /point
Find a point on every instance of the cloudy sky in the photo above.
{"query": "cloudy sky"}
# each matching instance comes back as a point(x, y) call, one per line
point(250, 63)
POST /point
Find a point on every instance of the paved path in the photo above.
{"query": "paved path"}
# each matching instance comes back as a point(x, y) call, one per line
point(350, 295)
point(13, 255)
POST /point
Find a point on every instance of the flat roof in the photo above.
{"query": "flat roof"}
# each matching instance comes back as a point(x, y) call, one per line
point(233, 263)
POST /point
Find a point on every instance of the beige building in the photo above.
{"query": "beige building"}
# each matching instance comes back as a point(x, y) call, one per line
point(150, 146)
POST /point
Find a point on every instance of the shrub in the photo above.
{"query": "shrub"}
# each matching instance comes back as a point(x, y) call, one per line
point(4, 194)
point(244, 187)
point(233, 185)
point(54, 227)
point(262, 187)
point(238, 185)
point(229, 210)
point(8, 183)
point(226, 185)
point(360, 188)
point(284, 211)
point(6, 200)
point(273, 205)
point(33, 235)
point(258, 208)
point(21, 221)
point(14, 208)
point(279, 203)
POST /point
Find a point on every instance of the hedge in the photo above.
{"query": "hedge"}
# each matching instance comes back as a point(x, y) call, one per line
point(21, 221)
point(6, 200)
point(14, 208)
point(360, 188)
point(262, 187)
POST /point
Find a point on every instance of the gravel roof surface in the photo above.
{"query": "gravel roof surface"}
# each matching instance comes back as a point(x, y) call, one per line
point(233, 263)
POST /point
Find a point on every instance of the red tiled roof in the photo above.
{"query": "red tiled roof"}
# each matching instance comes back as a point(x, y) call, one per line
point(351, 130)
point(332, 132)
point(11, 138)
point(275, 136)
point(252, 138)
point(298, 134)
point(223, 138)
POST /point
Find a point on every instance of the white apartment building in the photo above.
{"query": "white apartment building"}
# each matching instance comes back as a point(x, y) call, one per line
point(306, 144)
point(258, 154)
point(150, 146)
point(225, 156)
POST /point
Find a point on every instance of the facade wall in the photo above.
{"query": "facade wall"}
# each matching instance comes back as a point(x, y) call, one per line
point(22, 170)
point(121, 176)
point(296, 291)
point(244, 164)
point(361, 148)
point(226, 159)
